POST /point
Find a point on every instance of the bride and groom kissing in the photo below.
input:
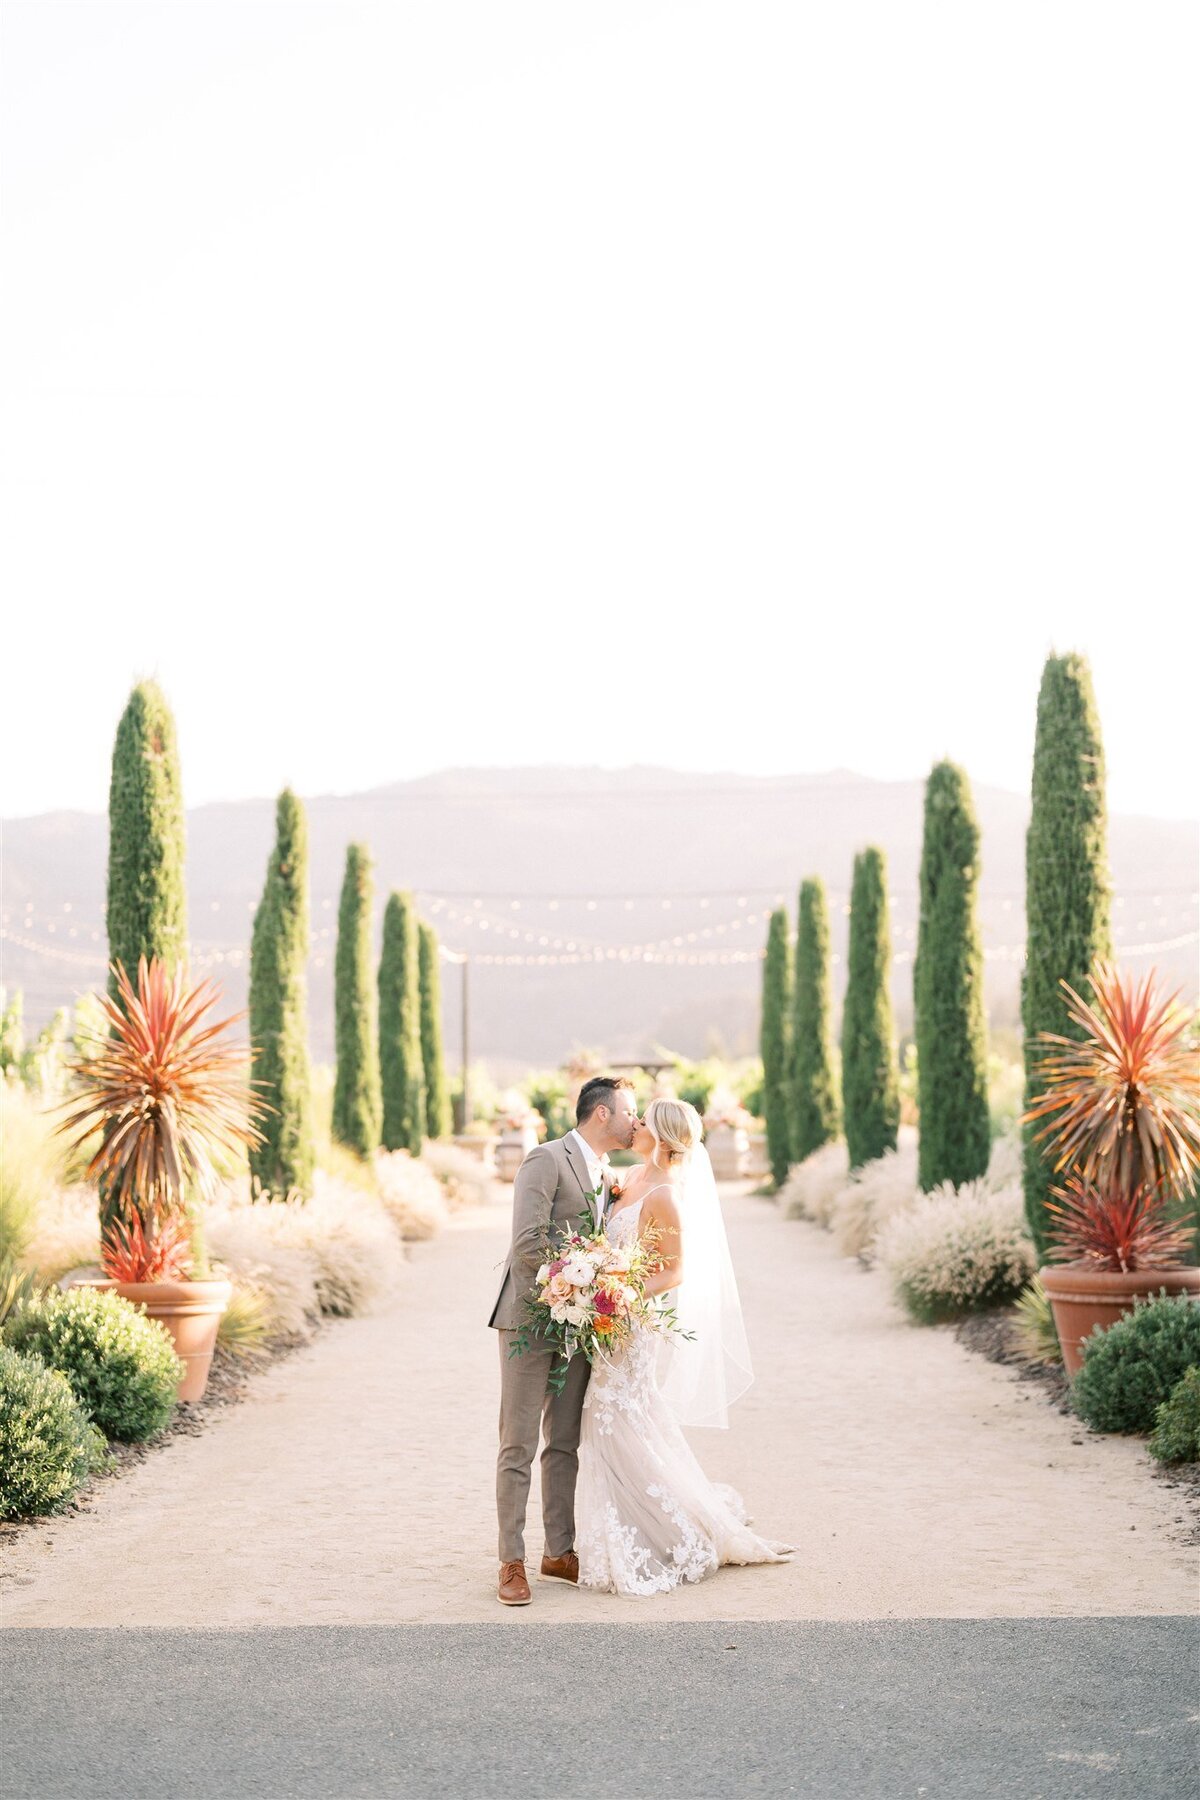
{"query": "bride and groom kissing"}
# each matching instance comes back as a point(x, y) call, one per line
point(626, 1507)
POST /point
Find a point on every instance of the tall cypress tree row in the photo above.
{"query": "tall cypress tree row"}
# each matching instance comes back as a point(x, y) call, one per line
point(147, 899)
point(948, 1009)
point(279, 1010)
point(357, 1102)
point(437, 1094)
point(776, 1045)
point(816, 1106)
point(1068, 897)
point(400, 1067)
point(870, 1074)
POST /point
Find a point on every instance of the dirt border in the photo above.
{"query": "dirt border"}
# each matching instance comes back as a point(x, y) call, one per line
point(992, 1334)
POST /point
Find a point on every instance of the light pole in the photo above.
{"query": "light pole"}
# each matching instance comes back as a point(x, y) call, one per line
point(466, 1047)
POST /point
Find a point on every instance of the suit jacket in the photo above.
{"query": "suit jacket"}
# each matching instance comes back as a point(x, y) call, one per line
point(551, 1191)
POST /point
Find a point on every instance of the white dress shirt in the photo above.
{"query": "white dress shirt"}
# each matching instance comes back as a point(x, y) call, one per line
point(595, 1169)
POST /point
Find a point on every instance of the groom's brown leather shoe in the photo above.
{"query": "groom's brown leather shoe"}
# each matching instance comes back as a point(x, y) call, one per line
point(513, 1589)
point(561, 1568)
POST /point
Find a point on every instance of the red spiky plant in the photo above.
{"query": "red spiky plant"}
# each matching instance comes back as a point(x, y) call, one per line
point(164, 1094)
point(129, 1255)
point(1123, 1112)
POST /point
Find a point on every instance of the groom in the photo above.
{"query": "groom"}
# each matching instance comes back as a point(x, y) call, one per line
point(561, 1183)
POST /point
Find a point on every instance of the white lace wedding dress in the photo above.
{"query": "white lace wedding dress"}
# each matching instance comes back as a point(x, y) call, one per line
point(646, 1515)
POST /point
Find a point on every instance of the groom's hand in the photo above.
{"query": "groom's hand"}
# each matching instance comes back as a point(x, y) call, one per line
point(533, 1202)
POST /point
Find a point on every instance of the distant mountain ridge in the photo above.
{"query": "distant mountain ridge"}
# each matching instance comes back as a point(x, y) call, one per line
point(610, 859)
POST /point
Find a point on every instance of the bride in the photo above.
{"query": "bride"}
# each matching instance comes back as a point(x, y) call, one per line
point(646, 1515)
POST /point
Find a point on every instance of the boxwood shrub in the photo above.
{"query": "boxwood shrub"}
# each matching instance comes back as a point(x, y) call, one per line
point(1130, 1368)
point(48, 1445)
point(121, 1365)
point(1176, 1435)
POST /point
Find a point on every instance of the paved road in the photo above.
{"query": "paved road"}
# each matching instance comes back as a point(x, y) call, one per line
point(965, 1709)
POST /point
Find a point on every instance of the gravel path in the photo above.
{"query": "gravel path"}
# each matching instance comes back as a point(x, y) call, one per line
point(354, 1485)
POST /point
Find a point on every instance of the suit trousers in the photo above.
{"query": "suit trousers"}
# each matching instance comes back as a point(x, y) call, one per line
point(527, 1403)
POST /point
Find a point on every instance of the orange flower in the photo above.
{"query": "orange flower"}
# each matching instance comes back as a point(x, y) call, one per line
point(603, 1324)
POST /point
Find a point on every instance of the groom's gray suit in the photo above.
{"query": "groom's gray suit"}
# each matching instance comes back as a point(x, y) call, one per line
point(552, 1190)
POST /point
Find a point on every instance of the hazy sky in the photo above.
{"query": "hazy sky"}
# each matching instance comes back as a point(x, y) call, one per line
point(739, 386)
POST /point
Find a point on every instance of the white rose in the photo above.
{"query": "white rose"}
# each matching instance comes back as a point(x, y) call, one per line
point(575, 1315)
point(578, 1272)
point(543, 1274)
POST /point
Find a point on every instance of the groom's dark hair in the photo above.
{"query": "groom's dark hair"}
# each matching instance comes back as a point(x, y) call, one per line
point(601, 1090)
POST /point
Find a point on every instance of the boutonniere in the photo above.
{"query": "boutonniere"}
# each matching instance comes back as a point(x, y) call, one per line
point(615, 1190)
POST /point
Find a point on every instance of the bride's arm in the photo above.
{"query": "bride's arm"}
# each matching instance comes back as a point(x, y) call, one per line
point(669, 1272)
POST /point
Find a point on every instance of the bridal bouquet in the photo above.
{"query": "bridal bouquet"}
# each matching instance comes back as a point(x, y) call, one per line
point(590, 1295)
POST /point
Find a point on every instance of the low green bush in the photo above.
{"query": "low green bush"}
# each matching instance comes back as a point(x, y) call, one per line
point(48, 1445)
point(1130, 1368)
point(1176, 1434)
point(121, 1365)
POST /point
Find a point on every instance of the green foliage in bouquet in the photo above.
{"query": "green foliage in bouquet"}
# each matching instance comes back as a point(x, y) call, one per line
point(948, 1008)
point(437, 1092)
point(1133, 1366)
point(357, 1100)
point(776, 1045)
point(122, 1366)
point(401, 1068)
point(147, 899)
point(48, 1445)
point(816, 1104)
point(284, 1161)
point(1176, 1434)
point(1068, 895)
point(870, 1073)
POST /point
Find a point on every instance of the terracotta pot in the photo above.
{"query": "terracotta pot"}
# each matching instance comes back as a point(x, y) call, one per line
point(1082, 1297)
point(729, 1151)
point(190, 1311)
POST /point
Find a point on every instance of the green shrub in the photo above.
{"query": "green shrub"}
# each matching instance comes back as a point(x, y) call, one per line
point(48, 1446)
point(1176, 1435)
point(1130, 1368)
point(956, 1250)
point(121, 1365)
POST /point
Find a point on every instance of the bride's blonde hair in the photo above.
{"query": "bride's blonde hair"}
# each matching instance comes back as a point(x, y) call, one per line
point(675, 1125)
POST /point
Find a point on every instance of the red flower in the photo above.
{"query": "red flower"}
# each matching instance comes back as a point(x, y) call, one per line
point(605, 1304)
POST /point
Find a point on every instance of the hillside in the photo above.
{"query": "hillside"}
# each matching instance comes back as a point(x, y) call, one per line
point(602, 861)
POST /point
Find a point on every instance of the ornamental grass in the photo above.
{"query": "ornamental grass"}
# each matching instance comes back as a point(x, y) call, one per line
point(957, 1250)
point(413, 1197)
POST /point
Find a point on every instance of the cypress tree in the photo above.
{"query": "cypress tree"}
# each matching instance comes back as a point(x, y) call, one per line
point(279, 1010)
point(437, 1094)
point(816, 1108)
point(357, 1101)
point(870, 1074)
point(776, 1045)
point(948, 1010)
point(1067, 892)
point(147, 900)
point(400, 1028)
